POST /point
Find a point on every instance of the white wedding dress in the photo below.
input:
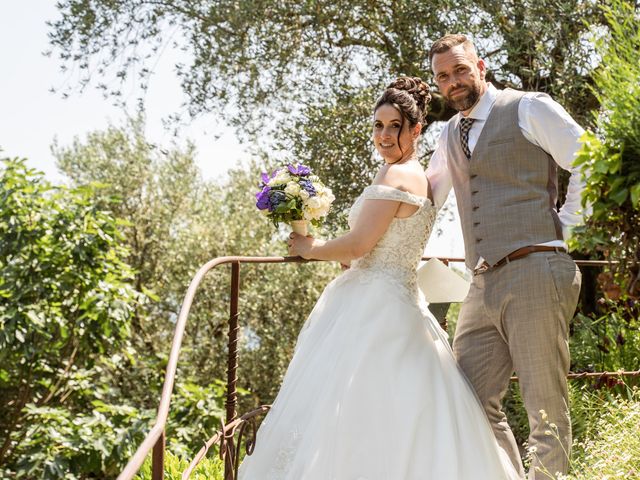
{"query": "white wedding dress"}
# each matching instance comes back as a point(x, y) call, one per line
point(373, 391)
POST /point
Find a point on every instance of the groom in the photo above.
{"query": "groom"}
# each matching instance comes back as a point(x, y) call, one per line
point(501, 153)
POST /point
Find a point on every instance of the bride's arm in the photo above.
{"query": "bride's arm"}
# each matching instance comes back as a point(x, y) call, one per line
point(371, 224)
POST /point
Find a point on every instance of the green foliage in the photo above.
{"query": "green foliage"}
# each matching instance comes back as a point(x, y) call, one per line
point(588, 400)
point(196, 414)
point(77, 397)
point(97, 437)
point(610, 159)
point(270, 53)
point(65, 309)
point(65, 296)
point(159, 195)
point(176, 222)
point(211, 468)
point(301, 77)
point(63, 444)
point(607, 340)
point(612, 448)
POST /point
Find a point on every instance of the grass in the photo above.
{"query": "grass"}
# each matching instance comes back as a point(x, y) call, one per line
point(611, 450)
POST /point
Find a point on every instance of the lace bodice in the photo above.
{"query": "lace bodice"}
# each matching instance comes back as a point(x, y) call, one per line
point(397, 254)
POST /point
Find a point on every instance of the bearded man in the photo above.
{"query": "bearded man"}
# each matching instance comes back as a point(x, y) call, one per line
point(501, 153)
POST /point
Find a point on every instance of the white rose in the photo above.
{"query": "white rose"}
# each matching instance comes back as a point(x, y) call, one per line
point(314, 202)
point(292, 188)
point(329, 194)
point(304, 195)
point(281, 178)
point(326, 201)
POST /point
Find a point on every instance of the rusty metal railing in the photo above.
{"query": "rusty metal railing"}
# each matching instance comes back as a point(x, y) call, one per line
point(155, 439)
point(229, 451)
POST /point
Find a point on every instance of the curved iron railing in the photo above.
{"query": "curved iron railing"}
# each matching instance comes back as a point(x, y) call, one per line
point(155, 439)
point(246, 424)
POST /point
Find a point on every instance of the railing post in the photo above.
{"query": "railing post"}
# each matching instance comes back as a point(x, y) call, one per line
point(232, 360)
point(232, 367)
point(157, 464)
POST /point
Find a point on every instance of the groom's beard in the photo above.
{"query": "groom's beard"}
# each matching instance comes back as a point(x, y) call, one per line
point(466, 102)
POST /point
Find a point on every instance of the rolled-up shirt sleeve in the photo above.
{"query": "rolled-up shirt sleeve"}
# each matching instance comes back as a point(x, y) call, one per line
point(438, 172)
point(547, 124)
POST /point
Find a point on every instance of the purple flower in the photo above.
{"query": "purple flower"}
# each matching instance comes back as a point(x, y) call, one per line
point(277, 197)
point(300, 170)
point(265, 177)
point(308, 186)
point(263, 199)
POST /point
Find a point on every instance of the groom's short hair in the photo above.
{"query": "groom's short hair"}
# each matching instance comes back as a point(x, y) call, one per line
point(449, 41)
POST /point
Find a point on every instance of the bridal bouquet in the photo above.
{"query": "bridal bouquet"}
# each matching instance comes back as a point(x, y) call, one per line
point(293, 195)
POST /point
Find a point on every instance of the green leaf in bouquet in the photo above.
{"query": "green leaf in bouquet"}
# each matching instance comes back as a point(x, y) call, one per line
point(282, 208)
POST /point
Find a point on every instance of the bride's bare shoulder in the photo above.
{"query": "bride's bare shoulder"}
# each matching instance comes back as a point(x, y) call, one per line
point(408, 177)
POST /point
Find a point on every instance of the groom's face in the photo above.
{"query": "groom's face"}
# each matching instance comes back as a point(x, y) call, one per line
point(460, 76)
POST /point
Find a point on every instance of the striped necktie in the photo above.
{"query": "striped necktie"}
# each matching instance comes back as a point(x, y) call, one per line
point(465, 126)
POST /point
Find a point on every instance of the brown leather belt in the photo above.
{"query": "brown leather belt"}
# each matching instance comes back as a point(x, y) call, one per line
point(516, 254)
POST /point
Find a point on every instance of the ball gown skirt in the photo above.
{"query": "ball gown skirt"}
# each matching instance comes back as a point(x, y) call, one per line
point(373, 392)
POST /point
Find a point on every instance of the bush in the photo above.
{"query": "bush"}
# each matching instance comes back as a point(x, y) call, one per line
point(209, 469)
point(68, 373)
point(610, 158)
point(65, 307)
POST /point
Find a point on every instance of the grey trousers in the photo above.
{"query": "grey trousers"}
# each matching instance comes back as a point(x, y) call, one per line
point(516, 318)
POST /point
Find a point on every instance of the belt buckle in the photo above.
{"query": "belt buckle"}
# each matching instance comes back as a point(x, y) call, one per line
point(481, 269)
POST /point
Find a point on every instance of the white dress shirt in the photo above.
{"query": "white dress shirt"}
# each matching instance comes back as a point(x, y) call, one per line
point(544, 123)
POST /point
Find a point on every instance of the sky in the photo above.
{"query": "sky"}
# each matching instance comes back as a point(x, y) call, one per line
point(32, 117)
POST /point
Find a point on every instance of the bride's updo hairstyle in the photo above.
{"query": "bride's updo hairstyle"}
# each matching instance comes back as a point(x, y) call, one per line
point(411, 97)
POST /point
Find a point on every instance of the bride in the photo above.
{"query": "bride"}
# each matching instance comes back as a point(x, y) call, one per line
point(373, 391)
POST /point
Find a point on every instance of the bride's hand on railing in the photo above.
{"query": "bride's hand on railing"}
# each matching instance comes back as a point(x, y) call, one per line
point(302, 246)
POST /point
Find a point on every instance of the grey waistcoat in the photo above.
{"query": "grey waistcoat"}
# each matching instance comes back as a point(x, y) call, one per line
point(507, 191)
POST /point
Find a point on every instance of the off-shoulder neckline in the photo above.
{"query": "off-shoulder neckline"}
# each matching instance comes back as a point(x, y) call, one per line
point(427, 199)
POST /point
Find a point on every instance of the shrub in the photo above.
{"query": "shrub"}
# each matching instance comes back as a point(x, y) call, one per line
point(209, 469)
